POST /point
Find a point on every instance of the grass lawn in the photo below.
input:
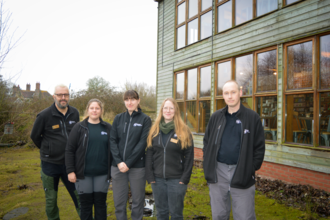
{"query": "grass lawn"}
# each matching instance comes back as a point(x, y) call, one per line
point(21, 166)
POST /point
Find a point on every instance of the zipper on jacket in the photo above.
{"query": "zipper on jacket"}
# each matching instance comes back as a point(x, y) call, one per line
point(129, 125)
point(217, 134)
point(86, 136)
point(62, 127)
point(164, 167)
point(239, 154)
point(125, 127)
point(66, 133)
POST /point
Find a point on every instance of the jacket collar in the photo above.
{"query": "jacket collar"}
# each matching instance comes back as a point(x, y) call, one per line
point(85, 122)
point(240, 111)
point(134, 112)
point(56, 112)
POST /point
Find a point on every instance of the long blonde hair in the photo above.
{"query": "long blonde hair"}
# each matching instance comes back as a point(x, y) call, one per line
point(89, 103)
point(181, 129)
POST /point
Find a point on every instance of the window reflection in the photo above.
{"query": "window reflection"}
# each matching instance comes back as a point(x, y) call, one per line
point(179, 86)
point(299, 118)
point(204, 115)
point(220, 104)
point(206, 25)
point(325, 62)
point(193, 8)
point(193, 31)
point(192, 84)
point(181, 37)
point(247, 102)
point(224, 74)
point(324, 118)
point(205, 82)
point(192, 116)
point(300, 65)
point(206, 4)
point(225, 16)
point(265, 6)
point(181, 107)
point(181, 13)
point(244, 71)
point(243, 11)
point(266, 71)
point(266, 108)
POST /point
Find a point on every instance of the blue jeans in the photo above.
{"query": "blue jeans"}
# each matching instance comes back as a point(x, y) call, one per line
point(169, 196)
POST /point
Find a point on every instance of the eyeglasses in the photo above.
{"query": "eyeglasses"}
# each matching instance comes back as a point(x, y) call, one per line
point(168, 108)
point(66, 95)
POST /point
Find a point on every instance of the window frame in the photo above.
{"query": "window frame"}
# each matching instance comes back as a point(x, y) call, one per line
point(187, 20)
point(315, 90)
point(198, 99)
point(233, 20)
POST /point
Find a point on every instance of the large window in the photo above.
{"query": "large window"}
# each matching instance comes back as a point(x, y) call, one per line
point(193, 21)
point(307, 91)
point(260, 96)
point(193, 96)
point(234, 12)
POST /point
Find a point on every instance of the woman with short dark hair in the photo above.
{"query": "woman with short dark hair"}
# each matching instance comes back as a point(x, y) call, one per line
point(128, 140)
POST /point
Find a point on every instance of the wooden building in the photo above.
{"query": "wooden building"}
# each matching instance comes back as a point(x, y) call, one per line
point(278, 51)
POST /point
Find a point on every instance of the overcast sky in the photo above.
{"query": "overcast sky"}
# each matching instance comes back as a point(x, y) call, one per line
point(71, 41)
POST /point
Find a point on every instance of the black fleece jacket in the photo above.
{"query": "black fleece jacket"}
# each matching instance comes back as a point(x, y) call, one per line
point(128, 138)
point(252, 148)
point(169, 160)
point(76, 148)
point(50, 133)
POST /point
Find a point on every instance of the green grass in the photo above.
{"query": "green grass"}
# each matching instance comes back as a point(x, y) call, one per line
point(21, 166)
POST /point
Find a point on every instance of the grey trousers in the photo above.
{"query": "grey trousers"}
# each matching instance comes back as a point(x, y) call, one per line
point(242, 200)
point(92, 184)
point(137, 179)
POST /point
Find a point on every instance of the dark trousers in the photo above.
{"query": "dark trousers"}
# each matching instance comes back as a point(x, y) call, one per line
point(50, 183)
point(169, 196)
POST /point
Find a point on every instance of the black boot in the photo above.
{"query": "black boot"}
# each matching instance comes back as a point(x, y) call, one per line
point(100, 205)
point(86, 206)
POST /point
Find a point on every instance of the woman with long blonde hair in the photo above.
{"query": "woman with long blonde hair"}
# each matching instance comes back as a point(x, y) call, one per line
point(169, 160)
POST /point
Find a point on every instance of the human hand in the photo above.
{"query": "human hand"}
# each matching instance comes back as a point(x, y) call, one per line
point(72, 177)
point(181, 183)
point(153, 182)
point(122, 167)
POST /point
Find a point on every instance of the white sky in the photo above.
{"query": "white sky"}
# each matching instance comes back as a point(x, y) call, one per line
point(71, 41)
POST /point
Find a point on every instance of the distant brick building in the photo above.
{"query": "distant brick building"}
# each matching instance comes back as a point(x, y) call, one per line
point(28, 94)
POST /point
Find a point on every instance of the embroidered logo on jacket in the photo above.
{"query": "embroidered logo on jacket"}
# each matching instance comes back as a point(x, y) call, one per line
point(137, 125)
point(246, 131)
point(71, 122)
point(104, 133)
point(238, 122)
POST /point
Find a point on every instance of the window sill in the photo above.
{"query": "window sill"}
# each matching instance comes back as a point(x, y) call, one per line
point(198, 134)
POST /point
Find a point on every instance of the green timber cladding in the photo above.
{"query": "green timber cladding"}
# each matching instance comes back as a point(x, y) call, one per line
point(288, 23)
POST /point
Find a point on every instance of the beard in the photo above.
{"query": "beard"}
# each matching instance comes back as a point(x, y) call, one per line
point(58, 103)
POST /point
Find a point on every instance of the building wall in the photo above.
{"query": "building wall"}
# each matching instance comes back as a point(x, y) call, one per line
point(306, 18)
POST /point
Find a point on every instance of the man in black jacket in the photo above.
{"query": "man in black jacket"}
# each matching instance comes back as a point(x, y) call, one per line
point(50, 133)
point(234, 148)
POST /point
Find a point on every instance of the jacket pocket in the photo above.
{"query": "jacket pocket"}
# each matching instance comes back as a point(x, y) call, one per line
point(45, 149)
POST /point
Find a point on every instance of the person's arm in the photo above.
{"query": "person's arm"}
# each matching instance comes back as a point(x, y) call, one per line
point(259, 145)
point(141, 145)
point(37, 131)
point(71, 148)
point(114, 142)
point(148, 167)
point(188, 163)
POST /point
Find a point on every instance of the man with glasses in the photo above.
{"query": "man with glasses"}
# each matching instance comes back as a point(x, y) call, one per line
point(50, 133)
